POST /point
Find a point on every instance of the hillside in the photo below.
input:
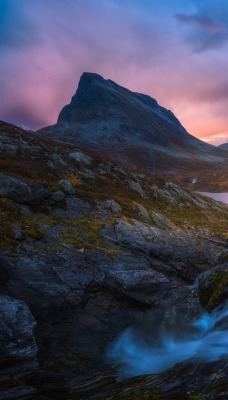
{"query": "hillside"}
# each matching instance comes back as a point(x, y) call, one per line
point(223, 146)
point(90, 247)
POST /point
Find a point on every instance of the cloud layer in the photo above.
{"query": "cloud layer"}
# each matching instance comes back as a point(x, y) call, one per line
point(174, 51)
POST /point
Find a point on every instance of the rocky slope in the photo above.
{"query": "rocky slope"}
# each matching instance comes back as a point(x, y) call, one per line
point(223, 146)
point(134, 129)
point(88, 248)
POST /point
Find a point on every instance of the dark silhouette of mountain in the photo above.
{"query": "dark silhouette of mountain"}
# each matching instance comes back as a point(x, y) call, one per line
point(132, 128)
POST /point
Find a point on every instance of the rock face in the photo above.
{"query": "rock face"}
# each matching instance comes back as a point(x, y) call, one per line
point(103, 249)
point(22, 191)
point(18, 349)
point(133, 128)
point(108, 113)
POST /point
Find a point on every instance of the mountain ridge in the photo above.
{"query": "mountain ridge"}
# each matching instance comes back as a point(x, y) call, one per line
point(134, 129)
point(223, 146)
point(113, 110)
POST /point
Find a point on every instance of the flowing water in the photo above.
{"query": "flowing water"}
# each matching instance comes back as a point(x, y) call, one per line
point(156, 347)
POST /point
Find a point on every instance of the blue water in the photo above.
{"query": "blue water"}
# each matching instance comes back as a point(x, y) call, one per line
point(204, 340)
point(216, 196)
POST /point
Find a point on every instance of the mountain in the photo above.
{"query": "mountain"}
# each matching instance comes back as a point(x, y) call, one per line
point(133, 128)
point(89, 248)
point(223, 146)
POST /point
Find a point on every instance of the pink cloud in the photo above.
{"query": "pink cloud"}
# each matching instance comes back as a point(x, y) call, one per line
point(137, 50)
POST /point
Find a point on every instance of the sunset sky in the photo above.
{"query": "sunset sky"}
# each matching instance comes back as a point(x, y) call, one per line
point(174, 50)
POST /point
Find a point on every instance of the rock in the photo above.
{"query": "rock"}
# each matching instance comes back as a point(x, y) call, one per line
point(21, 191)
point(159, 243)
point(18, 347)
point(144, 287)
point(136, 186)
point(18, 233)
point(110, 205)
point(75, 208)
point(213, 287)
point(7, 145)
point(129, 279)
point(142, 212)
point(58, 160)
point(162, 222)
point(67, 186)
point(81, 157)
point(18, 393)
point(57, 196)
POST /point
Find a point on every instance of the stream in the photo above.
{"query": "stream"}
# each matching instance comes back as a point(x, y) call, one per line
point(160, 344)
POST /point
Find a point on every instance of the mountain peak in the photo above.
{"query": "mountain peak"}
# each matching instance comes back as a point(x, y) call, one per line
point(114, 110)
point(107, 117)
point(90, 77)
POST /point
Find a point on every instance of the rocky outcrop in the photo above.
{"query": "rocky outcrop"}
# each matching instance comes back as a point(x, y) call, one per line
point(21, 191)
point(213, 287)
point(18, 350)
point(177, 247)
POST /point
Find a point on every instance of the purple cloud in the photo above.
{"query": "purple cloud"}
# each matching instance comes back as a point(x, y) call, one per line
point(136, 43)
point(207, 26)
point(202, 22)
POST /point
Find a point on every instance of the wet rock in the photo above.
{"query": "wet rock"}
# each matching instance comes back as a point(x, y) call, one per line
point(213, 286)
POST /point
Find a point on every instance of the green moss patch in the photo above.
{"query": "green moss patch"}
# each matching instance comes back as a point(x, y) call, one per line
point(214, 293)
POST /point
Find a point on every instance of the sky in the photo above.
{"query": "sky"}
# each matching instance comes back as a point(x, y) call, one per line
point(174, 50)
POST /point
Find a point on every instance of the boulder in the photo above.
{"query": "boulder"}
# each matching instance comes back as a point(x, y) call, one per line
point(67, 186)
point(22, 191)
point(81, 157)
point(142, 212)
point(18, 348)
point(111, 206)
point(136, 186)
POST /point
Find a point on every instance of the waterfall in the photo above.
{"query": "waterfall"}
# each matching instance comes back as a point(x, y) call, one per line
point(163, 341)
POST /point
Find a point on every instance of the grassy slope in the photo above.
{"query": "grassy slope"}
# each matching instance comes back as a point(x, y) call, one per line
point(103, 179)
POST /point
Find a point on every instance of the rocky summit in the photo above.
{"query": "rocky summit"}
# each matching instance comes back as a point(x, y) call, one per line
point(91, 247)
point(134, 129)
